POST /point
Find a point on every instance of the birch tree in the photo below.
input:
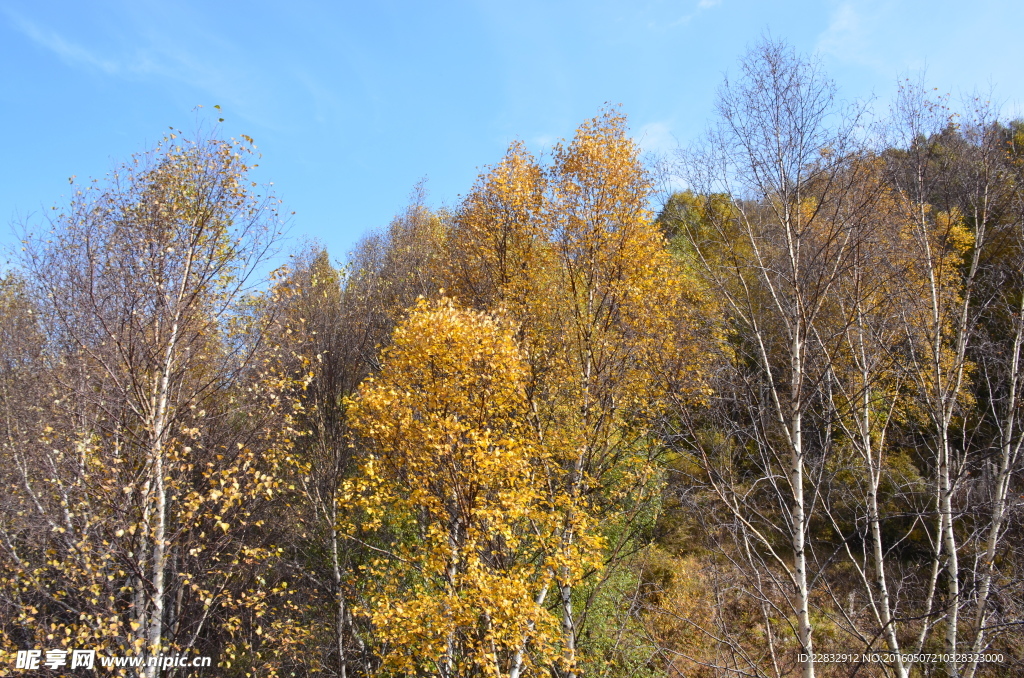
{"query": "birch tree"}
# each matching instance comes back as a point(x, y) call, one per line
point(162, 440)
point(780, 153)
point(953, 169)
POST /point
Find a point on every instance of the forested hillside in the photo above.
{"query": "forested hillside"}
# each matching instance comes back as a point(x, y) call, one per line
point(549, 431)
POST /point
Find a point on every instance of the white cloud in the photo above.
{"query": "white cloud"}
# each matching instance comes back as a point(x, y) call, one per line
point(852, 37)
point(68, 51)
point(684, 20)
point(844, 32)
point(195, 59)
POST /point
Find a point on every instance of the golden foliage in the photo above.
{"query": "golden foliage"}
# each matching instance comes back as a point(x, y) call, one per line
point(451, 473)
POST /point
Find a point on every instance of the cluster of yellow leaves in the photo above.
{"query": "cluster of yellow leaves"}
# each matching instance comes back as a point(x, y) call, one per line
point(452, 464)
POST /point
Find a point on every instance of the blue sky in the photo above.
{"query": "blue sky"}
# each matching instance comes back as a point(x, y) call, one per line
point(352, 102)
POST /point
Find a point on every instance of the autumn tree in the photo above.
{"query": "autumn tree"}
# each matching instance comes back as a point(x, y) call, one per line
point(608, 322)
point(628, 329)
point(450, 477)
point(161, 440)
point(955, 170)
point(333, 323)
point(775, 252)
